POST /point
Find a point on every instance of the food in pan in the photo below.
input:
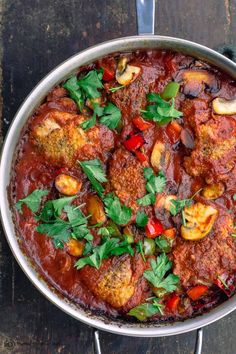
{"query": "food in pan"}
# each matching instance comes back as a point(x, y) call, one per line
point(124, 187)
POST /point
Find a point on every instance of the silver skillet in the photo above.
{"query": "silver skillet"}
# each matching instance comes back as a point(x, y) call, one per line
point(145, 40)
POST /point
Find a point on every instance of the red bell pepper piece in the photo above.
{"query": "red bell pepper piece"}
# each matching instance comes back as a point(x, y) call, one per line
point(153, 228)
point(108, 74)
point(141, 124)
point(170, 233)
point(226, 283)
point(109, 68)
point(173, 131)
point(140, 156)
point(134, 142)
point(197, 291)
point(173, 303)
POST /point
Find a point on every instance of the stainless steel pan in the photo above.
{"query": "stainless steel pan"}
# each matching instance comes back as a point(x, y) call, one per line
point(146, 40)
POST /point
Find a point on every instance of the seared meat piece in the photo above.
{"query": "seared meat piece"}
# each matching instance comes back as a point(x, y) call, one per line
point(206, 259)
point(215, 149)
point(59, 138)
point(126, 177)
point(115, 281)
point(133, 97)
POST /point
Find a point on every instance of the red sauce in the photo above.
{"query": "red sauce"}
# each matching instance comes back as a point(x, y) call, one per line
point(186, 168)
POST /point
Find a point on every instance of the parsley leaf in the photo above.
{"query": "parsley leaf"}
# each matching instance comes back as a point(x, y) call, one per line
point(93, 170)
point(111, 117)
point(119, 213)
point(148, 199)
point(141, 219)
point(91, 83)
point(163, 243)
point(87, 86)
point(97, 111)
point(162, 111)
point(176, 205)
point(32, 201)
point(114, 89)
point(89, 123)
point(155, 184)
point(146, 310)
point(61, 230)
point(110, 247)
point(53, 208)
point(157, 278)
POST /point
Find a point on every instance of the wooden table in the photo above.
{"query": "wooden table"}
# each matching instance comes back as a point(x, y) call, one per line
point(37, 35)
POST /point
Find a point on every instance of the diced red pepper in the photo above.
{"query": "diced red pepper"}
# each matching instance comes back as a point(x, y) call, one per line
point(134, 142)
point(170, 232)
point(173, 303)
point(153, 228)
point(227, 285)
point(197, 291)
point(109, 67)
point(141, 156)
point(141, 124)
point(108, 74)
point(173, 131)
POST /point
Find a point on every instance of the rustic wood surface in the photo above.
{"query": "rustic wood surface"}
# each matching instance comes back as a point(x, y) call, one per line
point(36, 35)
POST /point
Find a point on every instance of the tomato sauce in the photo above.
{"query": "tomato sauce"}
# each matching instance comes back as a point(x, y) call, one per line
point(190, 161)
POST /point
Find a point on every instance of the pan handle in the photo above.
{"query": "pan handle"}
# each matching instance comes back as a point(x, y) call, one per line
point(145, 10)
point(198, 345)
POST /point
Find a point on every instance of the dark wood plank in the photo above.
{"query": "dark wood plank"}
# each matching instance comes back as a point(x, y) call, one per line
point(37, 35)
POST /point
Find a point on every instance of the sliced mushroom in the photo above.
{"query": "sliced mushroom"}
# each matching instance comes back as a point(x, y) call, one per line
point(96, 210)
point(75, 247)
point(125, 73)
point(157, 155)
point(195, 81)
point(213, 191)
point(223, 106)
point(199, 220)
point(67, 185)
point(164, 201)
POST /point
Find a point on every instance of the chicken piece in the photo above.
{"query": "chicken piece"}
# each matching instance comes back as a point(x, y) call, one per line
point(202, 261)
point(59, 138)
point(115, 281)
point(215, 150)
point(126, 177)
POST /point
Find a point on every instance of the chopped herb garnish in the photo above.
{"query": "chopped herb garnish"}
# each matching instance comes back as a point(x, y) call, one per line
point(141, 219)
point(161, 111)
point(119, 213)
point(148, 199)
point(157, 278)
point(146, 310)
point(32, 201)
point(93, 170)
point(155, 184)
point(61, 230)
point(139, 247)
point(110, 247)
point(86, 87)
point(114, 89)
point(234, 197)
point(176, 205)
point(111, 116)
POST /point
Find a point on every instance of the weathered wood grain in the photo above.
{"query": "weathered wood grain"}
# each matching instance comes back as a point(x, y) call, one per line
point(36, 36)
